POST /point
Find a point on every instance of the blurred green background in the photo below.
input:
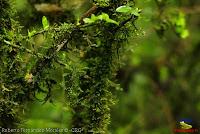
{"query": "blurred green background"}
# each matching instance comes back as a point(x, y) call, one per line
point(161, 75)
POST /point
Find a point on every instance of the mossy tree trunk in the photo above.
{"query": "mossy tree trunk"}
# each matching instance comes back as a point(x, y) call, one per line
point(87, 54)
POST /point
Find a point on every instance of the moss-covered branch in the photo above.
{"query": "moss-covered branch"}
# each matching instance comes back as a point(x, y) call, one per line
point(84, 55)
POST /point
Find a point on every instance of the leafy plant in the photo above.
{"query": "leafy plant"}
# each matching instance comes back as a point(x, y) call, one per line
point(103, 17)
point(129, 10)
point(45, 23)
point(179, 23)
point(30, 34)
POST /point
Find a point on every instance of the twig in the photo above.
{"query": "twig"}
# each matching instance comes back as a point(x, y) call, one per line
point(23, 48)
point(62, 44)
point(40, 32)
point(133, 17)
point(88, 13)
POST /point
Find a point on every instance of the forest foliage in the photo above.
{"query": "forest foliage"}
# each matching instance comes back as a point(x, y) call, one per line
point(78, 63)
point(79, 58)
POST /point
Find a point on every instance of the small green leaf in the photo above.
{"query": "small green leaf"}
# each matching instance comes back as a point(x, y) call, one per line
point(180, 20)
point(179, 23)
point(45, 23)
point(30, 34)
point(129, 10)
point(101, 17)
point(88, 20)
point(106, 18)
point(93, 17)
point(112, 21)
point(184, 34)
point(124, 9)
point(136, 11)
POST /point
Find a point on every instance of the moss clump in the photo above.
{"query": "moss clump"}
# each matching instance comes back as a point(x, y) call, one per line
point(84, 57)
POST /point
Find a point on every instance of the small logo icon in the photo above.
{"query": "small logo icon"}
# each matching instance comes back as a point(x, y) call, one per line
point(186, 126)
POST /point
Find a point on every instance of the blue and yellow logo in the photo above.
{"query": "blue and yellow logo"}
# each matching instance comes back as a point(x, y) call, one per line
point(185, 125)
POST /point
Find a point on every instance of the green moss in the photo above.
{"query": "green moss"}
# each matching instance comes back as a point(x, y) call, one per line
point(85, 57)
point(4, 15)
